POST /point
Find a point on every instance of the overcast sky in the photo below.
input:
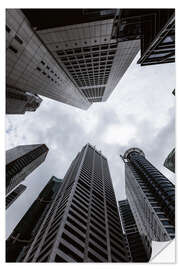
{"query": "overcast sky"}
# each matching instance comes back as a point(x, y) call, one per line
point(139, 113)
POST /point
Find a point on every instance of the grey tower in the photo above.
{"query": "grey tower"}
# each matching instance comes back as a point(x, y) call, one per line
point(169, 162)
point(140, 247)
point(151, 197)
point(19, 102)
point(21, 161)
point(79, 49)
point(11, 197)
point(154, 27)
point(30, 67)
point(82, 224)
point(23, 234)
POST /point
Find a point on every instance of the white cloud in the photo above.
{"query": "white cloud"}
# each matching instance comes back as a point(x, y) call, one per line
point(140, 112)
point(116, 134)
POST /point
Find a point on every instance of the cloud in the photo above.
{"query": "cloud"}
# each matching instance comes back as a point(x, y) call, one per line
point(139, 113)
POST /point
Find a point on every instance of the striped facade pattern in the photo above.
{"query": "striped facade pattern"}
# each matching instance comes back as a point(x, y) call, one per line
point(151, 196)
point(14, 195)
point(20, 167)
point(140, 247)
point(82, 224)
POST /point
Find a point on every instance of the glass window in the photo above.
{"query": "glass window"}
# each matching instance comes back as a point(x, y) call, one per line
point(170, 230)
point(161, 216)
point(165, 222)
point(168, 39)
point(158, 55)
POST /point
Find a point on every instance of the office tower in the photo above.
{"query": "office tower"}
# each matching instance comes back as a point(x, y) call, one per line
point(21, 161)
point(81, 42)
point(23, 234)
point(30, 67)
point(140, 247)
point(169, 163)
point(154, 27)
point(151, 197)
point(82, 224)
point(19, 102)
point(11, 197)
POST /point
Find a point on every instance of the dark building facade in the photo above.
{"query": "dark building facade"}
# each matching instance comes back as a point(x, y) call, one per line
point(140, 247)
point(154, 27)
point(30, 67)
point(151, 197)
point(11, 197)
point(21, 161)
point(78, 61)
point(82, 224)
point(19, 102)
point(169, 163)
point(25, 231)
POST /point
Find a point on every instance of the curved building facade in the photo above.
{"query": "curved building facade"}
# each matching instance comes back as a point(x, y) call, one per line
point(151, 197)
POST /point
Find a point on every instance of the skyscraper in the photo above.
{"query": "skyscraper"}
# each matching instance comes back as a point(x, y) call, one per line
point(154, 27)
point(76, 57)
point(140, 247)
point(19, 102)
point(11, 197)
point(30, 67)
point(82, 224)
point(23, 234)
point(169, 162)
point(21, 161)
point(151, 197)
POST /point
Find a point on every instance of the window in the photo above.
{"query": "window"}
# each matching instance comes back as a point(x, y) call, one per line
point(76, 225)
point(18, 39)
point(13, 49)
point(93, 257)
point(72, 242)
point(170, 230)
point(165, 222)
point(59, 259)
point(8, 29)
point(161, 216)
point(70, 253)
point(75, 233)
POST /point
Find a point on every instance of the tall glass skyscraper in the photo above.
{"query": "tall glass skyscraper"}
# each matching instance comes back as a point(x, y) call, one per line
point(151, 197)
point(82, 224)
point(169, 162)
point(154, 27)
point(22, 236)
point(140, 247)
point(21, 161)
point(11, 197)
point(74, 60)
point(30, 67)
point(19, 102)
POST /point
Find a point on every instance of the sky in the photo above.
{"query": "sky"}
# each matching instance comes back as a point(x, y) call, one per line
point(139, 113)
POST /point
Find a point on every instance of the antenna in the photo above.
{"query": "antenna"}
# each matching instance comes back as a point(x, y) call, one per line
point(122, 158)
